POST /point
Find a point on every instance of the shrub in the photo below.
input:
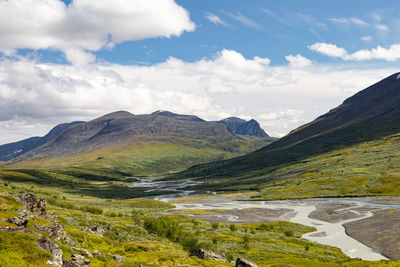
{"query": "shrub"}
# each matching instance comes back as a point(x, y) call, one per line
point(232, 227)
point(288, 233)
point(215, 226)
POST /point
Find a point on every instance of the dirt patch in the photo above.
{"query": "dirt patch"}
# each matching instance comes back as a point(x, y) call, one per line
point(334, 212)
point(380, 232)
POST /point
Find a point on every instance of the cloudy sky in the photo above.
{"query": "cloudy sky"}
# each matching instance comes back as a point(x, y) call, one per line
point(281, 62)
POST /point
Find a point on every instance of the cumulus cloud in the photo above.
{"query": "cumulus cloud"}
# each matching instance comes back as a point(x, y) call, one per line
point(87, 25)
point(34, 96)
point(298, 61)
point(215, 19)
point(389, 54)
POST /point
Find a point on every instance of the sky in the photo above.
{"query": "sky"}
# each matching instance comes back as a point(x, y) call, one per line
point(283, 63)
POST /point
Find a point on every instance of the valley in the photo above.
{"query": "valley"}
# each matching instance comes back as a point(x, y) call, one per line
point(155, 189)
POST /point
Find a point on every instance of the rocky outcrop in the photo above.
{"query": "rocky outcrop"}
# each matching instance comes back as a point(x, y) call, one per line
point(57, 233)
point(243, 262)
point(209, 254)
point(22, 218)
point(83, 251)
point(97, 229)
point(54, 250)
point(32, 202)
point(117, 258)
point(76, 261)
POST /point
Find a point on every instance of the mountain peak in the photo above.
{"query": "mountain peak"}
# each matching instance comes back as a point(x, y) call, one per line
point(241, 127)
point(177, 116)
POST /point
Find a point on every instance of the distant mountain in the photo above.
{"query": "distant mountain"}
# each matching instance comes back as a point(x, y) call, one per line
point(140, 144)
point(247, 128)
point(177, 116)
point(368, 115)
point(13, 150)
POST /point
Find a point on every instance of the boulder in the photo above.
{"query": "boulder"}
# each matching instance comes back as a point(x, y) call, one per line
point(117, 258)
point(83, 251)
point(209, 254)
point(97, 230)
point(76, 261)
point(22, 218)
point(57, 233)
point(32, 202)
point(54, 250)
point(243, 262)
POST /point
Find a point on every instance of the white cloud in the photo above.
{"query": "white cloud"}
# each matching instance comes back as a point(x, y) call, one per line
point(381, 27)
point(86, 24)
point(366, 38)
point(244, 20)
point(215, 19)
point(34, 97)
point(355, 21)
point(330, 50)
point(298, 61)
point(389, 54)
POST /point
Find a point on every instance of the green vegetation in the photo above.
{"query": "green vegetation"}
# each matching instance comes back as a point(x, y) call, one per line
point(366, 169)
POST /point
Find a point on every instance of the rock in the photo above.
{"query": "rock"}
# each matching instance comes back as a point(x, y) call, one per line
point(54, 250)
point(83, 251)
point(97, 253)
point(98, 230)
point(243, 262)
point(11, 229)
point(209, 254)
point(32, 202)
point(57, 233)
point(22, 218)
point(76, 261)
point(117, 258)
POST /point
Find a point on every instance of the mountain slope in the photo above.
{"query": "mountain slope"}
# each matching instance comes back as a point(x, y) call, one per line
point(246, 128)
point(127, 144)
point(16, 149)
point(368, 115)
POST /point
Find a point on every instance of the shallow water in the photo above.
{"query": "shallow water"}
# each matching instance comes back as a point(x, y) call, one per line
point(327, 233)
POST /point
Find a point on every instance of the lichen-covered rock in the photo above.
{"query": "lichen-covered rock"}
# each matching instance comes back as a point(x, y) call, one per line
point(57, 233)
point(76, 261)
point(54, 250)
point(243, 262)
point(117, 258)
point(98, 230)
point(22, 218)
point(83, 251)
point(209, 254)
point(32, 202)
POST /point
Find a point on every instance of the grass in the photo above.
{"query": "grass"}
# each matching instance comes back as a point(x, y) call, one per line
point(366, 169)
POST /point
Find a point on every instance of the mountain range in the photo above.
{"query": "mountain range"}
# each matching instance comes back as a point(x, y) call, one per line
point(162, 135)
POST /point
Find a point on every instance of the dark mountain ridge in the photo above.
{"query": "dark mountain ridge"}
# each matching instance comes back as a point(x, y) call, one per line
point(368, 115)
point(121, 127)
point(13, 150)
point(247, 128)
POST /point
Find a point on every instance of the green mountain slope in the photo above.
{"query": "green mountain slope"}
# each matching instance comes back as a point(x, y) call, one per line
point(369, 115)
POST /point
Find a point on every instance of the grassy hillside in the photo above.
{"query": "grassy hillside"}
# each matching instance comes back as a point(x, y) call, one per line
point(369, 115)
point(149, 157)
point(134, 235)
point(369, 168)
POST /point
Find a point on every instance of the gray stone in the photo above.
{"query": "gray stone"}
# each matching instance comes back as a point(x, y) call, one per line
point(54, 250)
point(32, 202)
point(209, 254)
point(83, 251)
point(76, 261)
point(243, 262)
point(22, 218)
point(117, 258)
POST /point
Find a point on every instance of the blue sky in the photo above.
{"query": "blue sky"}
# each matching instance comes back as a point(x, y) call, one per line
point(270, 29)
point(281, 62)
